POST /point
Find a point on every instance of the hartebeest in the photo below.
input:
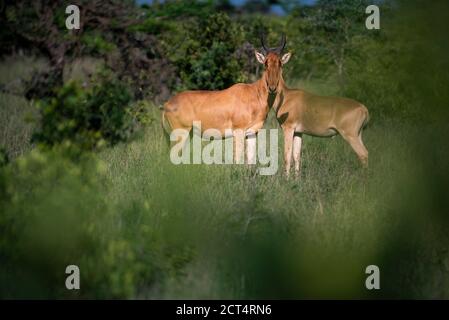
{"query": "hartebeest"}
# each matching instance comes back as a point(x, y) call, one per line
point(300, 112)
point(242, 108)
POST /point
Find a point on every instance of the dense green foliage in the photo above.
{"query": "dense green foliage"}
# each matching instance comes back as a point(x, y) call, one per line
point(88, 118)
point(64, 218)
point(323, 36)
point(207, 59)
point(177, 45)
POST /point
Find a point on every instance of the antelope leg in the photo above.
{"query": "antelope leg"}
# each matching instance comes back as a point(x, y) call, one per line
point(251, 148)
point(359, 148)
point(288, 142)
point(239, 143)
point(297, 144)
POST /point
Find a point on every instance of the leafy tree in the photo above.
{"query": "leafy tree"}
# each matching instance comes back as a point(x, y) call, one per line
point(39, 23)
point(108, 29)
point(207, 58)
point(323, 35)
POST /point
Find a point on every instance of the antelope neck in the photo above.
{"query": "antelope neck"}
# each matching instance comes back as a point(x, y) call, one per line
point(282, 88)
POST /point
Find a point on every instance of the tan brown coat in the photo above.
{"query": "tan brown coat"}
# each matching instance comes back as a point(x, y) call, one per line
point(301, 112)
point(242, 108)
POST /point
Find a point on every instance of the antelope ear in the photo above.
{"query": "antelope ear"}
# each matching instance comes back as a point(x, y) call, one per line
point(286, 57)
point(260, 57)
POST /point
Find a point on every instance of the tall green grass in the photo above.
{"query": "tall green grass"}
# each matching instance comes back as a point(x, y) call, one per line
point(141, 227)
point(16, 112)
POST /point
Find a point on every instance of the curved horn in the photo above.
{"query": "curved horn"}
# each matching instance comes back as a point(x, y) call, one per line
point(281, 45)
point(262, 40)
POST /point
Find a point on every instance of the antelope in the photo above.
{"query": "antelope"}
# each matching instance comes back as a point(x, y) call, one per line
point(300, 112)
point(243, 108)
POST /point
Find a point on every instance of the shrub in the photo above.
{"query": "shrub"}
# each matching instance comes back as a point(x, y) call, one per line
point(55, 212)
point(89, 118)
point(379, 83)
point(49, 219)
point(96, 44)
point(207, 58)
point(401, 74)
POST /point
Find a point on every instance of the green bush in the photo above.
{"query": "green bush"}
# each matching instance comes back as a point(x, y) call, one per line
point(207, 57)
point(49, 219)
point(376, 82)
point(56, 212)
point(96, 44)
point(88, 118)
point(401, 74)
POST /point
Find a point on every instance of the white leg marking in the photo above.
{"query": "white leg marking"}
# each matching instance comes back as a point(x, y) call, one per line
point(251, 148)
point(297, 144)
point(288, 142)
point(239, 144)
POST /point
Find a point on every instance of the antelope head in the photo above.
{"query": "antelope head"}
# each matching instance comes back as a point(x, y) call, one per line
point(273, 59)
